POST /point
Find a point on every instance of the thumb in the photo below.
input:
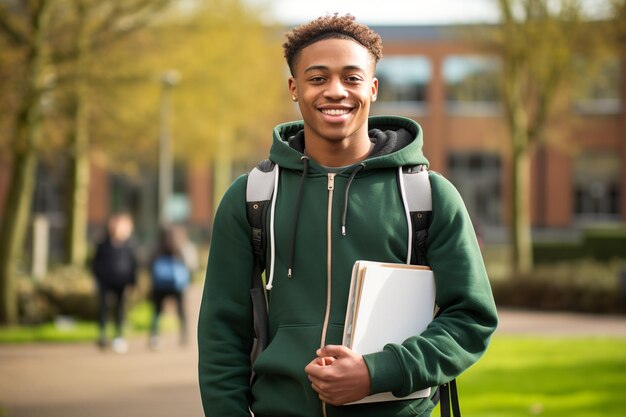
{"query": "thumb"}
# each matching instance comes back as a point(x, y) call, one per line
point(335, 351)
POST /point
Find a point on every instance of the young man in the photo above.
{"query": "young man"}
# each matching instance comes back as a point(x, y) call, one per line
point(338, 201)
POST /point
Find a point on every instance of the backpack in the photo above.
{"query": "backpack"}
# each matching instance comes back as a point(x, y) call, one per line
point(416, 194)
point(169, 274)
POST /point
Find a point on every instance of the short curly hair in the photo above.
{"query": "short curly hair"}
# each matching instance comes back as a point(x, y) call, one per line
point(331, 27)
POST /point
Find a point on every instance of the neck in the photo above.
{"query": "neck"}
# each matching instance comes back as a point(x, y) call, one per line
point(338, 153)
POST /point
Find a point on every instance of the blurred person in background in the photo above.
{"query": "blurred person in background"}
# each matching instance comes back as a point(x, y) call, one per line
point(188, 249)
point(174, 260)
point(115, 268)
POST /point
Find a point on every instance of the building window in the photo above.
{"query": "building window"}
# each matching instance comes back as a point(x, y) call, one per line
point(600, 92)
point(471, 84)
point(477, 177)
point(597, 187)
point(402, 84)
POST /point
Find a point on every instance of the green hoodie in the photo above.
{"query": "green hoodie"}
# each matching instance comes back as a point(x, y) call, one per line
point(307, 310)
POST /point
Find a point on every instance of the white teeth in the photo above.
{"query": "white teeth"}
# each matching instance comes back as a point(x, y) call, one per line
point(335, 112)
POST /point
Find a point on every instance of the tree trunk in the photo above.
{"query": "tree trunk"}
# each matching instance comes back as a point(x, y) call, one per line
point(522, 256)
point(222, 167)
point(79, 187)
point(77, 220)
point(15, 223)
point(22, 184)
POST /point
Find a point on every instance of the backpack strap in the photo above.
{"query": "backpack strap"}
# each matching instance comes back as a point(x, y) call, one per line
point(259, 192)
point(416, 193)
point(449, 399)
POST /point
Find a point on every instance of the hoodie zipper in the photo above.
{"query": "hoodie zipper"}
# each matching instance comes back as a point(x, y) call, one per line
point(331, 189)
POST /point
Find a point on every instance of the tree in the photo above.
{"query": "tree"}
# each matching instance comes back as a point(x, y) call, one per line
point(618, 13)
point(38, 51)
point(25, 26)
point(97, 24)
point(538, 41)
point(97, 75)
point(232, 83)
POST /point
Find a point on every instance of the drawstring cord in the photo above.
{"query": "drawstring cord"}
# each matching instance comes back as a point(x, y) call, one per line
point(305, 169)
point(346, 198)
point(292, 249)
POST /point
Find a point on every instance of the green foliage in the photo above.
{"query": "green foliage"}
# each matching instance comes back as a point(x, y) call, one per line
point(526, 376)
point(605, 243)
point(231, 79)
point(599, 244)
point(583, 285)
point(67, 291)
point(551, 252)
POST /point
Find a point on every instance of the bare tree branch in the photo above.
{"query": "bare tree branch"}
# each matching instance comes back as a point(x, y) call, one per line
point(10, 30)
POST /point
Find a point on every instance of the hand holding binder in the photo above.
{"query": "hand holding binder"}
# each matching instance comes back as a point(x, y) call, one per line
point(388, 303)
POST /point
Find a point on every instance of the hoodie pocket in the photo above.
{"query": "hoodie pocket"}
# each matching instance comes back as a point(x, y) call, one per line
point(281, 386)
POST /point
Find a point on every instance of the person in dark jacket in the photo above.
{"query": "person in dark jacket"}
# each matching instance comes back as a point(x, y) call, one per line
point(115, 268)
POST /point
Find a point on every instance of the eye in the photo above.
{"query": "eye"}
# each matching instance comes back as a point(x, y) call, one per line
point(354, 79)
point(317, 79)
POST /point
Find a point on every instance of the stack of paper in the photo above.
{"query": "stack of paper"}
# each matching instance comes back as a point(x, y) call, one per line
point(388, 303)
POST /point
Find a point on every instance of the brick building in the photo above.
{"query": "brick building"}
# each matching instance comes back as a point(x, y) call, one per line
point(430, 74)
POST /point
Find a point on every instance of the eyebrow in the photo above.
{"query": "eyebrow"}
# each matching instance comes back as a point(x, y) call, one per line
point(325, 68)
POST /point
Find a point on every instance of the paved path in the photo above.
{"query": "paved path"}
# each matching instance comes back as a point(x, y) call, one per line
point(77, 380)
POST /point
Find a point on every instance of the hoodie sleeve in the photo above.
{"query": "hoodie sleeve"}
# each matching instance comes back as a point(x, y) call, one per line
point(460, 334)
point(225, 320)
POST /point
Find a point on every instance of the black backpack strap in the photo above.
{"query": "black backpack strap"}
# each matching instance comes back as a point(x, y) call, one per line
point(259, 191)
point(449, 397)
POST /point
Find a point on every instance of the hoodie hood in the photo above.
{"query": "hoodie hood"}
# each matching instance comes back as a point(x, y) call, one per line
point(397, 142)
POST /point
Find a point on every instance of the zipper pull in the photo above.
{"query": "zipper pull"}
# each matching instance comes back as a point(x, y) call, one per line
point(331, 181)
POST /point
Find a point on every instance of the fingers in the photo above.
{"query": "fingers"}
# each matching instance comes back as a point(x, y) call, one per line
point(334, 351)
point(338, 375)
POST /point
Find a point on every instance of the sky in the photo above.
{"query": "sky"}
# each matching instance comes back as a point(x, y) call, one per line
point(383, 12)
point(392, 12)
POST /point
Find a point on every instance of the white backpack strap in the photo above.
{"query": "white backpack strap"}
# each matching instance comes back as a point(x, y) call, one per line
point(417, 199)
point(260, 184)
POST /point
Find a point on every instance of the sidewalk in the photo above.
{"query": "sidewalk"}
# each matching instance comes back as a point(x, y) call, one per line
point(77, 380)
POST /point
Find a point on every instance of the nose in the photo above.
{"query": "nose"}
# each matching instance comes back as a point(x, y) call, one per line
point(335, 90)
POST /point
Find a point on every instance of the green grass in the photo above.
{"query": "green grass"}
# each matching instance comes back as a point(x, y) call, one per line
point(519, 376)
point(137, 322)
point(551, 377)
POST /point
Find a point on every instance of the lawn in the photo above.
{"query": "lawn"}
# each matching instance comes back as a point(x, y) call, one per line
point(551, 377)
point(518, 376)
point(68, 330)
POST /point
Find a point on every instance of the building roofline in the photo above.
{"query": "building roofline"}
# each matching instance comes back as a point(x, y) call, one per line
point(439, 32)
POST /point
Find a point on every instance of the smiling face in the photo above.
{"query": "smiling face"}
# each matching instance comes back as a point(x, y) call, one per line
point(334, 85)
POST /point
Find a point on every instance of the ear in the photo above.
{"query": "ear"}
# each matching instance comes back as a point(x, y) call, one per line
point(293, 90)
point(374, 89)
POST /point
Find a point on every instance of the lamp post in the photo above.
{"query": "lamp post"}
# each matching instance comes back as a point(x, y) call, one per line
point(166, 172)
